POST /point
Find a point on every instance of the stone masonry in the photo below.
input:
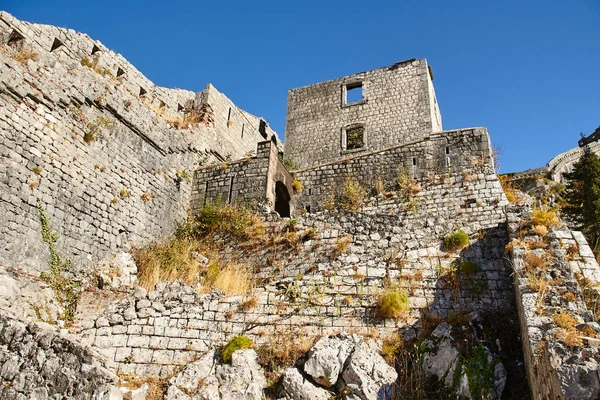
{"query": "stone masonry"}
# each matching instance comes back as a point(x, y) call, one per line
point(88, 138)
point(398, 106)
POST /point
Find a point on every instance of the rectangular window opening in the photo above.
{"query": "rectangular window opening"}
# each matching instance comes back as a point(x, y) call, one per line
point(243, 125)
point(447, 150)
point(310, 191)
point(308, 209)
point(354, 92)
point(229, 115)
point(230, 191)
point(355, 138)
point(205, 194)
point(56, 44)
point(414, 161)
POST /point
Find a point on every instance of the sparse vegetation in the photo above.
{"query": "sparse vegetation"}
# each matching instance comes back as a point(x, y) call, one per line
point(544, 218)
point(23, 55)
point(457, 241)
point(234, 344)
point(510, 191)
point(297, 186)
point(288, 163)
point(393, 303)
point(66, 290)
point(354, 195)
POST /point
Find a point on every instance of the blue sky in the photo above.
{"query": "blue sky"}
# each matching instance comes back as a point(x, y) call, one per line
point(528, 70)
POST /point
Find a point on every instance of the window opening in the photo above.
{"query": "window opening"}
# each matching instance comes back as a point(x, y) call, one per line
point(355, 138)
point(205, 194)
point(120, 72)
point(15, 38)
point(95, 49)
point(243, 125)
point(309, 191)
point(143, 92)
point(354, 92)
point(179, 107)
point(230, 191)
point(56, 44)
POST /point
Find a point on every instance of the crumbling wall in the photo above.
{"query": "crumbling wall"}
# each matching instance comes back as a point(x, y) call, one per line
point(39, 363)
point(562, 361)
point(397, 108)
point(92, 141)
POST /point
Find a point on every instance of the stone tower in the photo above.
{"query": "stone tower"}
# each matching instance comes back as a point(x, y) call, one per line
point(360, 113)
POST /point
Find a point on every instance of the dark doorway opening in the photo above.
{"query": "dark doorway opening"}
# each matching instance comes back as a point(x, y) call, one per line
point(282, 200)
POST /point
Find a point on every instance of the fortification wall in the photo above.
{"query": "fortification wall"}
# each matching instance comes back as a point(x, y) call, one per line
point(559, 330)
point(397, 108)
point(251, 180)
point(461, 152)
point(326, 278)
point(85, 143)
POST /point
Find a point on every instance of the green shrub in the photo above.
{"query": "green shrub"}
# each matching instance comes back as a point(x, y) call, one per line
point(234, 344)
point(393, 303)
point(468, 268)
point(456, 241)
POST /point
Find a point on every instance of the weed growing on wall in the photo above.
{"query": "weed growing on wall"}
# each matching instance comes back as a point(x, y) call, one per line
point(456, 241)
point(234, 344)
point(65, 289)
point(393, 303)
point(354, 195)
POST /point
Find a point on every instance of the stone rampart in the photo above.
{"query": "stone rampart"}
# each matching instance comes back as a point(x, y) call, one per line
point(559, 330)
point(91, 140)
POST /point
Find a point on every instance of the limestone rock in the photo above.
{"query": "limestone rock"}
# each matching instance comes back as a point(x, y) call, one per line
point(298, 387)
point(326, 358)
point(244, 379)
point(367, 375)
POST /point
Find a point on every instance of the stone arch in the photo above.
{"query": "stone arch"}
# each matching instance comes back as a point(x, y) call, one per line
point(282, 200)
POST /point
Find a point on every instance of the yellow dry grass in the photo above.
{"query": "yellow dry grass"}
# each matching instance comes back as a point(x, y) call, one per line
point(234, 279)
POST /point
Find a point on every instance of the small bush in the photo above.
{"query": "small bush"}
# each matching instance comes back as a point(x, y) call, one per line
point(408, 188)
point(509, 189)
point(342, 244)
point(390, 347)
point(564, 320)
point(540, 230)
point(354, 195)
point(234, 344)
point(468, 268)
point(393, 303)
point(545, 218)
point(297, 186)
point(248, 304)
point(456, 241)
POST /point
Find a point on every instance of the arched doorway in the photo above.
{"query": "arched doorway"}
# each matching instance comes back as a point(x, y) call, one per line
point(282, 200)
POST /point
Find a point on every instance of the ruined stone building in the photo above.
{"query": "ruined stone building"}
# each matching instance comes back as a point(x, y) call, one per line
point(116, 162)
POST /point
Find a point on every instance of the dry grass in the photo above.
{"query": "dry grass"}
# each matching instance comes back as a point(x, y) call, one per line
point(536, 262)
point(341, 246)
point(544, 217)
point(169, 261)
point(156, 387)
point(540, 230)
point(249, 304)
point(234, 279)
point(571, 337)
point(565, 320)
point(282, 351)
point(509, 190)
point(25, 55)
point(354, 195)
point(390, 347)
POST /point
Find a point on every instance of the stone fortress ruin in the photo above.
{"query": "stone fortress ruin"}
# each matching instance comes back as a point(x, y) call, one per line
point(116, 161)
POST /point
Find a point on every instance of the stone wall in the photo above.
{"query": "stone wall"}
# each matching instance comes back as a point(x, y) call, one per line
point(326, 278)
point(251, 180)
point(102, 156)
point(41, 364)
point(463, 152)
point(398, 106)
point(562, 361)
